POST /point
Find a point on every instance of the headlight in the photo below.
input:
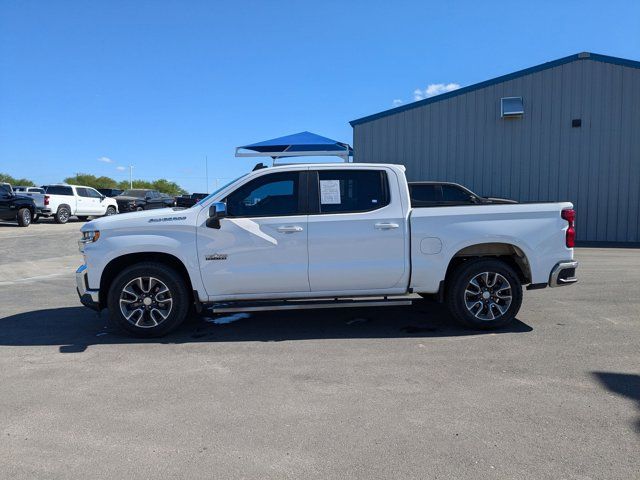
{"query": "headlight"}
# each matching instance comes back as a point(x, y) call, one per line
point(90, 236)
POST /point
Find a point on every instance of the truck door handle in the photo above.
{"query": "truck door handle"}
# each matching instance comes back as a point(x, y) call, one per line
point(289, 229)
point(386, 226)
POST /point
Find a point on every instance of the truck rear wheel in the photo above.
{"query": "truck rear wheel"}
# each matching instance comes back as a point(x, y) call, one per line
point(24, 217)
point(148, 299)
point(62, 215)
point(484, 294)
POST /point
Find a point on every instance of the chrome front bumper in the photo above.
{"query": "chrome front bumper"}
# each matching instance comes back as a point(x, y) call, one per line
point(564, 273)
point(89, 298)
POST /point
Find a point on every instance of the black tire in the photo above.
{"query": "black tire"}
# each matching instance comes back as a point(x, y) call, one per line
point(35, 219)
point(142, 324)
point(24, 217)
point(110, 211)
point(83, 218)
point(62, 215)
point(139, 209)
point(475, 310)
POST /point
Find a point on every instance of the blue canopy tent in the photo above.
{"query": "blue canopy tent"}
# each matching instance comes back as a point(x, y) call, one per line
point(303, 144)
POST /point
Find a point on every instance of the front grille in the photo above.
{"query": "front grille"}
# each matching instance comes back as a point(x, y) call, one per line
point(123, 207)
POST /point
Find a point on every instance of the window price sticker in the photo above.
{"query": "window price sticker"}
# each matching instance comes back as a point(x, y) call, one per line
point(330, 192)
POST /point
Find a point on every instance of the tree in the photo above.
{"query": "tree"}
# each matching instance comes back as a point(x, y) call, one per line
point(162, 185)
point(91, 181)
point(170, 188)
point(6, 178)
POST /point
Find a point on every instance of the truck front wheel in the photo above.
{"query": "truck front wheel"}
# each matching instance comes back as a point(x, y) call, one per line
point(484, 294)
point(148, 299)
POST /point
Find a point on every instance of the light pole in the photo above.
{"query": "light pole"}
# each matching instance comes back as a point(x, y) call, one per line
point(130, 176)
point(206, 169)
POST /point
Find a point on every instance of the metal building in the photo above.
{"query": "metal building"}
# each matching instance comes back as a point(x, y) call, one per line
point(564, 130)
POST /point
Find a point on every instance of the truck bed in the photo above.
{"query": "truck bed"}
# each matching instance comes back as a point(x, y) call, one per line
point(439, 233)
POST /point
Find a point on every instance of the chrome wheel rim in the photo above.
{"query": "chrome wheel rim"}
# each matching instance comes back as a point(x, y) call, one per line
point(488, 296)
point(64, 215)
point(111, 211)
point(146, 302)
point(26, 217)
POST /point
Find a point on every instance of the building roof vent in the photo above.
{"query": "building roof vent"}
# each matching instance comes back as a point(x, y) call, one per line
point(511, 107)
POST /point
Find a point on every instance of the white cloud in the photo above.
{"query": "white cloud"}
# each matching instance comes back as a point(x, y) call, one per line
point(121, 169)
point(105, 159)
point(434, 89)
point(397, 102)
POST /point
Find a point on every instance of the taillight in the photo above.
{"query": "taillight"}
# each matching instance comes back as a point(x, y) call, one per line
point(569, 215)
point(46, 199)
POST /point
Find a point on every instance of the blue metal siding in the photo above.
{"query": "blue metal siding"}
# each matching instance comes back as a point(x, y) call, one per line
point(539, 157)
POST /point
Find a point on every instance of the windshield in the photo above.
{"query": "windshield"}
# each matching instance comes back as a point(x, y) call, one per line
point(134, 193)
point(212, 194)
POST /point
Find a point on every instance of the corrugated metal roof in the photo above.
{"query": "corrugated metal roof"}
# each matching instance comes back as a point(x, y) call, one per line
point(461, 91)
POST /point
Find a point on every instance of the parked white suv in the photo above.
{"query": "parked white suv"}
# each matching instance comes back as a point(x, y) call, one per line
point(65, 201)
point(322, 236)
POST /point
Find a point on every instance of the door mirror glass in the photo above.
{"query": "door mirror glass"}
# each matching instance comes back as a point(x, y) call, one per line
point(216, 211)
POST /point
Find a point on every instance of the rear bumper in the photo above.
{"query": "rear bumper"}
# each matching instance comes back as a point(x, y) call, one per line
point(564, 273)
point(89, 298)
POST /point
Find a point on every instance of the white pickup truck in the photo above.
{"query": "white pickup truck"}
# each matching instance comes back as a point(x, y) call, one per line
point(319, 236)
point(64, 201)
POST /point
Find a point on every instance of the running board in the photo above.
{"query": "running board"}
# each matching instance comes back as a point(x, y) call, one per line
point(258, 306)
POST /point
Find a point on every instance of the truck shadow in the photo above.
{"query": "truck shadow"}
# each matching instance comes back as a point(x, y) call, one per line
point(624, 384)
point(74, 329)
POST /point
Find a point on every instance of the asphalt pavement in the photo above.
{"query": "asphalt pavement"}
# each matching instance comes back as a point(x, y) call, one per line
point(358, 393)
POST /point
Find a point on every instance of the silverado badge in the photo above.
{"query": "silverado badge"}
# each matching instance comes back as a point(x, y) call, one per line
point(216, 256)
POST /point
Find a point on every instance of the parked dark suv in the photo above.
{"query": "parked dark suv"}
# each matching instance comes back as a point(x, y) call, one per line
point(110, 192)
point(442, 194)
point(142, 199)
point(187, 201)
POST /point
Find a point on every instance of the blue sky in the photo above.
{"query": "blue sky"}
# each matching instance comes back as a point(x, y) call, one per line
point(95, 86)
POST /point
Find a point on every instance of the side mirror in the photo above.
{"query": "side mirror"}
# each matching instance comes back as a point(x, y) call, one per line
point(216, 211)
point(102, 197)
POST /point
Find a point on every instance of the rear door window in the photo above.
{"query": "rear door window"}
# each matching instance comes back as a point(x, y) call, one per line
point(59, 190)
point(351, 191)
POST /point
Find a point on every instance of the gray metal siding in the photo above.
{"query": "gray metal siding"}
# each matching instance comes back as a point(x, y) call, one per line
point(539, 157)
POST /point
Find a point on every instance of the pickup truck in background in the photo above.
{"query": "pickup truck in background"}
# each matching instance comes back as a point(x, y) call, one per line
point(440, 194)
point(322, 236)
point(66, 201)
point(138, 199)
point(40, 199)
point(16, 208)
point(188, 201)
point(22, 190)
